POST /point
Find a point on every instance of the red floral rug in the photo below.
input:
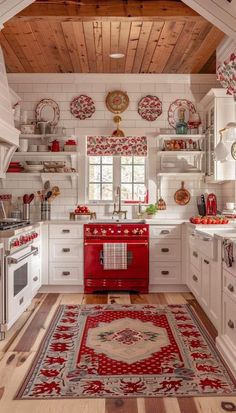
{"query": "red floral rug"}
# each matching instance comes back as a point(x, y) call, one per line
point(126, 350)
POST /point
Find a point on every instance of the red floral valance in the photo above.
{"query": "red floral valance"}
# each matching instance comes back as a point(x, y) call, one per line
point(117, 146)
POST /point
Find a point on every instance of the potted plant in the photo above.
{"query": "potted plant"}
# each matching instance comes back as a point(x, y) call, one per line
point(151, 210)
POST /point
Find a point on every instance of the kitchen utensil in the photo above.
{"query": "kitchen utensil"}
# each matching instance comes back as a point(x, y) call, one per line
point(23, 145)
point(46, 185)
point(211, 208)
point(201, 205)
point(182, 195)
point(25, 199)
point(31, 198)
point(42, 127)
point(49, 194)
point(161, 205)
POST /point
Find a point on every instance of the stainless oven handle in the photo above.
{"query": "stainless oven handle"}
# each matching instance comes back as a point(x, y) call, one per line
point(128, 243)
point(34, 251)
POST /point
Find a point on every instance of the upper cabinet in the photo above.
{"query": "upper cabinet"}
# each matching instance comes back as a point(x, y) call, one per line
point(219, 109)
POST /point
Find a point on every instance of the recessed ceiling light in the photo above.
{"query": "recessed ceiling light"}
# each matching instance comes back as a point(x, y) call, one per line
point(117, 55)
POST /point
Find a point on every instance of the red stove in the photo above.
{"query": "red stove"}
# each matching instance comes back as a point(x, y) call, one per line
point(102, 239)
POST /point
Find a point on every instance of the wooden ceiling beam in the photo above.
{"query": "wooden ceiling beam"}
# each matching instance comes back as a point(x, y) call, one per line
point(112, 8)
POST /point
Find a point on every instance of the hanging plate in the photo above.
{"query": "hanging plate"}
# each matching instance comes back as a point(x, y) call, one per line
point(150, 107)
point(174, 108)
point(233, 150)
point(48, 110)
point(82, 107)
point(117, 101)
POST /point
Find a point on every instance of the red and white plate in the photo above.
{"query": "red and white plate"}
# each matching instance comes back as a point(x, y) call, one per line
point(174, 108)
point(150, 107)
point(82, 107)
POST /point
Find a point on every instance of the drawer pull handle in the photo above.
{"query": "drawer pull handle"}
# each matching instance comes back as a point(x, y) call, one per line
point(165, 231)
point(65, 272)
point(165, 272)
point(231, 324)
point(195, 278)
point(206, 239)
point(66, 231)
point(66, 249)
point(195, 254)
point(165, 250)
point(231, 288)
point(21, 300)
point(35, 278)
point(206, 262)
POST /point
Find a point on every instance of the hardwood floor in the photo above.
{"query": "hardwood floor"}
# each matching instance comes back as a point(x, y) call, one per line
point(22, 342)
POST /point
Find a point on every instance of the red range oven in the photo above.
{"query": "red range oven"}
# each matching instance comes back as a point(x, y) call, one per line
point(134, 238)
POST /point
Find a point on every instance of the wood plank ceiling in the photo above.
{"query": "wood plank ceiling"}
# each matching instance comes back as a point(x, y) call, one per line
point(72, 36)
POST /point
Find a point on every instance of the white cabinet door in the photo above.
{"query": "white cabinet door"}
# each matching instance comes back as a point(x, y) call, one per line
point(165, 250)
point(164, 273)
point(66, 273)
point(195, 281)
point(165, 231)
point(66, 231)
point(61, 250)
point(205, 286)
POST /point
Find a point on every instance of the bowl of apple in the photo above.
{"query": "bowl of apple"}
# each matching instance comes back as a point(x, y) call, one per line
point(82, 212)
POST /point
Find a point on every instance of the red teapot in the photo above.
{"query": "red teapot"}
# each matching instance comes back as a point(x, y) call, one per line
point(55, 146)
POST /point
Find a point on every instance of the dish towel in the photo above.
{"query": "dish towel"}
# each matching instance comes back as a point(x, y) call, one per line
point(115, 256)
point(228, 252)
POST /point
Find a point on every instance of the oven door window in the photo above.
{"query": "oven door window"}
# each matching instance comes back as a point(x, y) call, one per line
point(20, 279)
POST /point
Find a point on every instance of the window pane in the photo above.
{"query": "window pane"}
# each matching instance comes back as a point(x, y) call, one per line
point(139, 160)
point(94, 192)
point(107, 159)
point(139, 192)
point(126, 160)
point(126, 173)
point(126, 191)
point(107, 192)
point(94, 159)
point(94, 173)
point(139, 173)
point(107, 173)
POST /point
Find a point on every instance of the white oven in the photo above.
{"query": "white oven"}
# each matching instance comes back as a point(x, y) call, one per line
point(19, 283)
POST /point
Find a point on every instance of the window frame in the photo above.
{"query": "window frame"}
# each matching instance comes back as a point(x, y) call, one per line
point(116, 180)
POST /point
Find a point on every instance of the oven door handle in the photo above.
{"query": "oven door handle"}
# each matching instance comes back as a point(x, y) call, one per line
point(128, 243)
point(34, 251)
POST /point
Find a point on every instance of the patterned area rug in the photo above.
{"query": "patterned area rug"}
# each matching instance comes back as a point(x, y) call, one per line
point(126, 350)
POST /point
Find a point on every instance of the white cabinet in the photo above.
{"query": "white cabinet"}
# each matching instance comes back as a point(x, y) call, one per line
point(219, 110)
point(66, 265)
point(164, 256)
point(204, 277)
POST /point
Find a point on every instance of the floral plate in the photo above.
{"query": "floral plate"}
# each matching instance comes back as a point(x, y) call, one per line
point(174, 108)
point(150, 107)
point(82, 107)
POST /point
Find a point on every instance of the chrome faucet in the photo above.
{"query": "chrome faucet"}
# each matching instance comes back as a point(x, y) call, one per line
point(119, 211)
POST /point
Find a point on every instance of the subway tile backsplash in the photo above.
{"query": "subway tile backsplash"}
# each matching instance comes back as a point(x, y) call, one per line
point(63, 87)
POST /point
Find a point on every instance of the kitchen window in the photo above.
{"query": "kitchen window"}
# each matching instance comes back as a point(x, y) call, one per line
point(107, 172)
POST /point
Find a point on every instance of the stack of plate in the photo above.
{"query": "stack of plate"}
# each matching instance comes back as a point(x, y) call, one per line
point(15, 167)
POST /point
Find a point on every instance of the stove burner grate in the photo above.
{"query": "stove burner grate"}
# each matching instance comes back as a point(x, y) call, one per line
point(8, 224)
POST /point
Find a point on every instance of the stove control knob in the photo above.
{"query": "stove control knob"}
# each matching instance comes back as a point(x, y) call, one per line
point(112, 232)
point(126, 231)
point(134, 231)
point(140, 232)
point(104, 231)
point(95, 231)
point(118, 232)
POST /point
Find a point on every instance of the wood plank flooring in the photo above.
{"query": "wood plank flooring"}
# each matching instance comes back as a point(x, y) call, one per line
point(23, 340)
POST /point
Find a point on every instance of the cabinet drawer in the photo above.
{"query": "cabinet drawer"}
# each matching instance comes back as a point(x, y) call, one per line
point(63, 274)
point(165, 272)
point(194, 280)
point(229, 318)
point(194, 257)
point(165, 231)
point(60, 250)
point(229, 284)
point(165, 250)
point(66, 231)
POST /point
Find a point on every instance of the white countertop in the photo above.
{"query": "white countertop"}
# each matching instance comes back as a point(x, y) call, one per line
point(103, 221)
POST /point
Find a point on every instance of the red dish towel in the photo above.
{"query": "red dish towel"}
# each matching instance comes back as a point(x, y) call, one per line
point(115, 256)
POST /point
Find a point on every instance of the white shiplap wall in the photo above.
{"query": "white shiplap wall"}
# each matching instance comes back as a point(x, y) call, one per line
point(63, 87)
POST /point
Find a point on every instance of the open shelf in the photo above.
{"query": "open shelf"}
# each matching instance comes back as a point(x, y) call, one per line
point(47, 153)
point(181, 174)
point(175, 136)
point(39, 135)
point(172, 153)
point(45, 176)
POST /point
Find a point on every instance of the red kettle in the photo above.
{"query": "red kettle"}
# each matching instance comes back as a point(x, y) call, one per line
point(55, 146)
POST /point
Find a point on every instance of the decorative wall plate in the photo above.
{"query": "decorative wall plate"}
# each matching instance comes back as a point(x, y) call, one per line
point(117, 101)
point(82, 107)
point(233, 150)
point(150, 107)
point(175, 106)
point(48, 110)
